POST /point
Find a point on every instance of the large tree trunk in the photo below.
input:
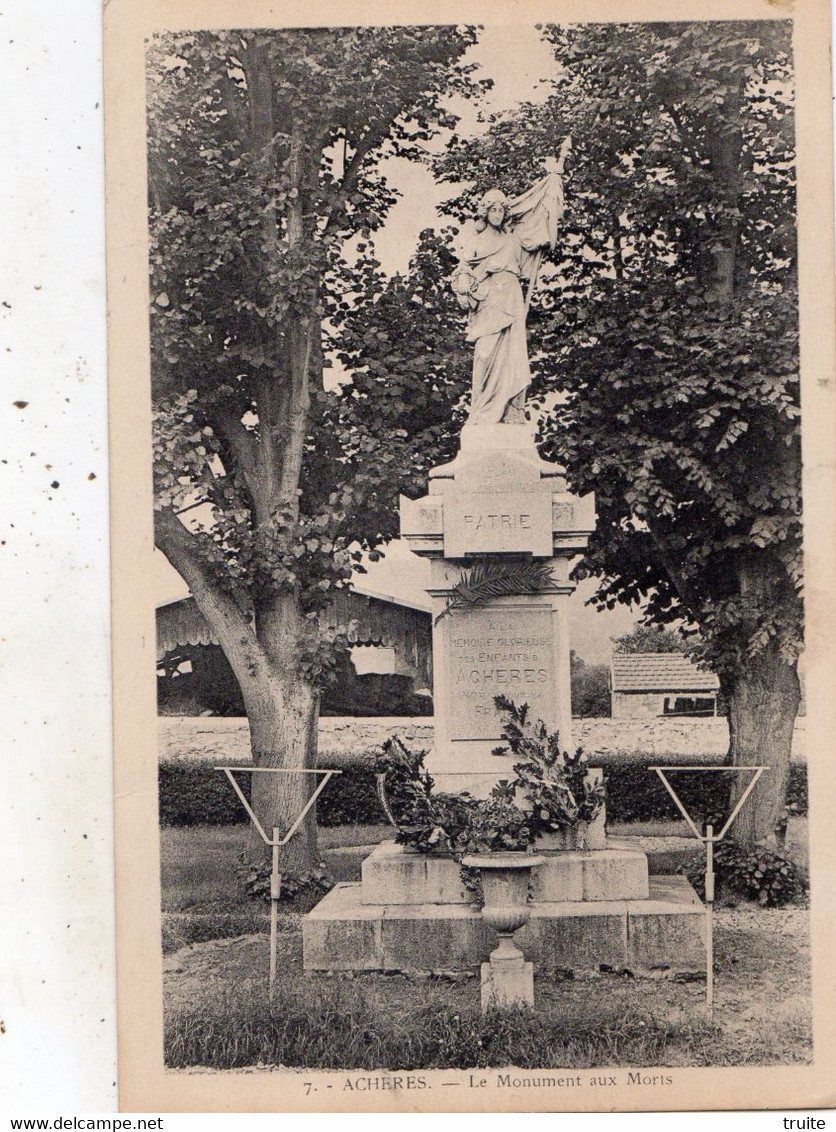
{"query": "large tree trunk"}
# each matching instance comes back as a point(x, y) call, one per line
point(763, 701)
point(283, 711)
point(283, 714)
point(282, 707)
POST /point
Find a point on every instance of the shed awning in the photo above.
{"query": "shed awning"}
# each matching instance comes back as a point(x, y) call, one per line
point(370, 621)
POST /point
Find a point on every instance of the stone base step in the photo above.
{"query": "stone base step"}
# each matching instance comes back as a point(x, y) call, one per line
point(667, 930)
point(396, 874)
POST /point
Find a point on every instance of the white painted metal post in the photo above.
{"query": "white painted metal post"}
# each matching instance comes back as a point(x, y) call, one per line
point(275, 893)
point(709, 920)
point(709, 839)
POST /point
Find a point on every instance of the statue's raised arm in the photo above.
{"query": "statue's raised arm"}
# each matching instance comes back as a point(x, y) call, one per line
point(504, 250)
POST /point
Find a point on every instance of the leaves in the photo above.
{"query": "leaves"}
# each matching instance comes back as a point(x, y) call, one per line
point(488, 580)
point(649, 638)
point(664, 337)
point(751, 874)
point(265, 159)
point(556, 784)
point(553, 785)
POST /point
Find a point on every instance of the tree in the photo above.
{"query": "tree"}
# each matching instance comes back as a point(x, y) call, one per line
point(264, 153)
point(668, 324)
point(649, 638)
point(410, 366)
point(590, 688)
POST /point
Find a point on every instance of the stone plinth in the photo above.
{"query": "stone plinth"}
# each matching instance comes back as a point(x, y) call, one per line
point(664, 931)
point(507, 984)
point(396, 875)
point(499, 507)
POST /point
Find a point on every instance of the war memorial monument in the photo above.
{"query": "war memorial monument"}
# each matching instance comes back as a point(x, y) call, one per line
point(590, 905)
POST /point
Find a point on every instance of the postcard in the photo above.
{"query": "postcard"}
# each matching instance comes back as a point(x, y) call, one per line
point(471, 441)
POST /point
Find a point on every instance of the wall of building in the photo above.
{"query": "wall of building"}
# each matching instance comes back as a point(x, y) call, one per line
point(646, 705)
point(636, 705)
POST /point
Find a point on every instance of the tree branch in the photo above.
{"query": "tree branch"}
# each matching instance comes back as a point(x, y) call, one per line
point(243, 442)
point(365, 145)
point(244, 449)
point(221, 612)
point(685, 136)
point(687, 594)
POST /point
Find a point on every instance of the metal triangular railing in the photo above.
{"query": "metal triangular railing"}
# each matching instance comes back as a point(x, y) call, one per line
point(276, 841)
point(709, 837)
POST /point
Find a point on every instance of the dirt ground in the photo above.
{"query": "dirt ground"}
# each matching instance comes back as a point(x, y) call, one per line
point(762, 990)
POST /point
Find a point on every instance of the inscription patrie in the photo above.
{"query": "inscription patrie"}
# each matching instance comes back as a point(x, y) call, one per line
point(476, 520)
point(497, 522)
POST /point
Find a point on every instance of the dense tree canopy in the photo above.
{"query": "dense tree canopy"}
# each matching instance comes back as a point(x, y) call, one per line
point(649, 638)
point(672, 326)
point(590, 688)
point(263, 163)
point(265, 186)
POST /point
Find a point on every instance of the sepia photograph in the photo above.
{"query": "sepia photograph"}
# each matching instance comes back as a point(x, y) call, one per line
point(464, 707)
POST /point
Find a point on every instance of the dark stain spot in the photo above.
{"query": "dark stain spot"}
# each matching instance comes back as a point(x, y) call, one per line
point(92, 476)
point(55, 483)
point(20, 404)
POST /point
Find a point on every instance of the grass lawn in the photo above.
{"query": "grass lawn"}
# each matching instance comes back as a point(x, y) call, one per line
point(217, 1012)
point(218, 1015)
point(202, 897)
point(198, 868)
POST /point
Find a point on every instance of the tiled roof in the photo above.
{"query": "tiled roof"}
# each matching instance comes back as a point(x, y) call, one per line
point(659, 672)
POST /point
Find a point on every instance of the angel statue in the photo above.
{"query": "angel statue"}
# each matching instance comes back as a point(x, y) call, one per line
point(505, 248)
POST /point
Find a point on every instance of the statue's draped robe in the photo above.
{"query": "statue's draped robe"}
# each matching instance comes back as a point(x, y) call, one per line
point(500, 261)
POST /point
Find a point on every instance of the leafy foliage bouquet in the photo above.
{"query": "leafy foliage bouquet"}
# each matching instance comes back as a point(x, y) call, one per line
point(553, 786)
point(556, 784)
point(427, 821)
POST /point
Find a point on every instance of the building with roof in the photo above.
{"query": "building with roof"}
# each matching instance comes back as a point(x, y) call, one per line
point(650, 684)
point(388, 671)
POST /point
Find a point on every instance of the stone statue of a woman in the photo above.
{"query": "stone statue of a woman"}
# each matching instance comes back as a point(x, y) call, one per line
point(503, 251)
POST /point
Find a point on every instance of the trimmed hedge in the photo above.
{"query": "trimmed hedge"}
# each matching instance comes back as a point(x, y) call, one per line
point(194, 793)
point(636, 793)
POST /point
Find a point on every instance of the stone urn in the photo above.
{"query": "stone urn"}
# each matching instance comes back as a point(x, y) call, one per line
point(507, 979)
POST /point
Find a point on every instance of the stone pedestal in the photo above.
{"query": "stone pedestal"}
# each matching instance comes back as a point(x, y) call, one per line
point(496, 503)
point(507, 982)
point(663, 932)
point(395, 875)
